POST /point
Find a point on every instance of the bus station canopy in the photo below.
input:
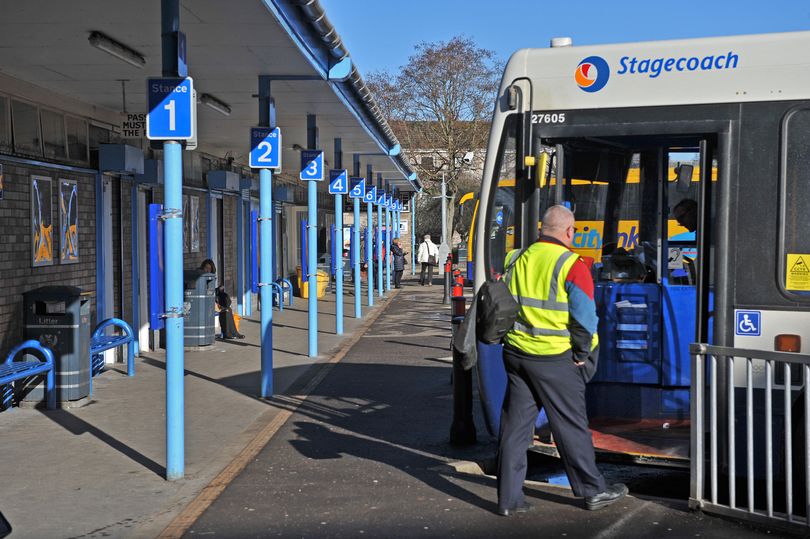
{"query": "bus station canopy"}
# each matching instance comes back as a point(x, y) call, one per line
point(229, 45)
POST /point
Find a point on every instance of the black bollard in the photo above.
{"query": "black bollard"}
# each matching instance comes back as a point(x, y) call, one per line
point(462, 431)
point(448, 269)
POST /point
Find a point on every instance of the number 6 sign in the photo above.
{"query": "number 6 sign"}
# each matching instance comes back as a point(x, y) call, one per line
point(265, 147)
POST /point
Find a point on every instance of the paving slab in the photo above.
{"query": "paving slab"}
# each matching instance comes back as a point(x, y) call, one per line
point(98, 470)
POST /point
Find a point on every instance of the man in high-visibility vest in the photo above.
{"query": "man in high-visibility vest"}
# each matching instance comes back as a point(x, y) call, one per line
point(549, 355)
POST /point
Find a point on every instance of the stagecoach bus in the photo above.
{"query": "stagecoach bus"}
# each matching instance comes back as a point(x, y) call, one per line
point(622, 134)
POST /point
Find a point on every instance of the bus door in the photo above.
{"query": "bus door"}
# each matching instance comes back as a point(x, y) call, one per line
point(629, 196)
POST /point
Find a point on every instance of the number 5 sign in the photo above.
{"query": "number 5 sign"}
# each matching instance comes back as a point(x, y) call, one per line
point(265, 147)
point(170, 105)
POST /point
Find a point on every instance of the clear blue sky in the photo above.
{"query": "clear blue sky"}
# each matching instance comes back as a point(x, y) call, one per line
point(381, 34)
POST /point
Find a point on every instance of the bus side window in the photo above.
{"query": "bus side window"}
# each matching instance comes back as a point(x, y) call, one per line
point(795, 206)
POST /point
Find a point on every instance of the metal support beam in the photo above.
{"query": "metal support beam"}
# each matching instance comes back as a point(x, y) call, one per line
point(173, 275)
point(339, 245)
point(358, 310)
point(387, 245)
point(267, 118)
point(240, 258)
point(379, 240)
point(413, 234)
point(369, 242)
point(312, 243)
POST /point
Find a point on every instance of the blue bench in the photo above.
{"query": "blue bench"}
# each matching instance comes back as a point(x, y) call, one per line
point(14, 371)
point(101, 342)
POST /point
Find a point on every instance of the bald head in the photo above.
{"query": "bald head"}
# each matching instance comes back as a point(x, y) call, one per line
point(558, 222)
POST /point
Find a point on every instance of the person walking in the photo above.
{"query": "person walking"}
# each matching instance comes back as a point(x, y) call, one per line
point(550, 354)
point(428, 256)
point(399, 261)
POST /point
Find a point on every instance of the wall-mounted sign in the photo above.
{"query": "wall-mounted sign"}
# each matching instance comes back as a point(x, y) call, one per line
point(133, 125)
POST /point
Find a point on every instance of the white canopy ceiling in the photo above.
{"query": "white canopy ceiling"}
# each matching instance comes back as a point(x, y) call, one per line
point(230, 44)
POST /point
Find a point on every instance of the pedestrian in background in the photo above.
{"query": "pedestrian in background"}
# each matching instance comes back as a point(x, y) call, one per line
point(549, 355)
point(399, 261)
point(428, 256)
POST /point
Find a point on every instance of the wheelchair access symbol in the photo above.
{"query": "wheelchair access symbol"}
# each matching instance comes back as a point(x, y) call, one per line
point(748, 323)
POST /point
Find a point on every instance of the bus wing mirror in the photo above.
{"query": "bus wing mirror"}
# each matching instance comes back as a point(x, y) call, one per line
point(684, 178)
point(512, 98)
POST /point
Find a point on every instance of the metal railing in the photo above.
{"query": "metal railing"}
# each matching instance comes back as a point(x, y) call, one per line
point(731, 388)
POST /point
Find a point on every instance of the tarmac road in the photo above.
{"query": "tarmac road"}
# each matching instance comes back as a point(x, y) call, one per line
point(366, 454)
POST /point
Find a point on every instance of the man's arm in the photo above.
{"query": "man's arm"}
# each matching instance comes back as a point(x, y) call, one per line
point(582, 310)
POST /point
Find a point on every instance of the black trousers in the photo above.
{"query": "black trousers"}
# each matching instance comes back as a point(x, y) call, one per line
point(557, 385)
point(426, 268)
point(397, 277)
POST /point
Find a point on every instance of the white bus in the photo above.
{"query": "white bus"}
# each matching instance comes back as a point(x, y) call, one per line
point(629, 131)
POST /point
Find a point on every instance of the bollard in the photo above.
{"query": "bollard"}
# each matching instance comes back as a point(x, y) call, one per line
point(462, 431)
point(448, 268)
point(458, 284)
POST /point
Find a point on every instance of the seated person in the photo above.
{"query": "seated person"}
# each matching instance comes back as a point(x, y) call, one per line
point(226, 321)
point(223, 302)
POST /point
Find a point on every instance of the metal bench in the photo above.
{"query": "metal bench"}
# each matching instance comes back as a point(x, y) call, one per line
point(15, 371)
point(101, 342)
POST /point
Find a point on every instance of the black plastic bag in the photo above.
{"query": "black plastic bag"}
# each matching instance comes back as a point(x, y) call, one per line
point(465, 340)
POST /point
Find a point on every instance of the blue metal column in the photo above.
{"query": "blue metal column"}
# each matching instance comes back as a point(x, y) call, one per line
point(136, 277)
point(338, 260)
point(379, 241)
point(312, 244)
point(173, 227)
point(173, 263)
point(246, 292)
point(358, 310)
point(413, 234)
point(101, 303)
point(267, 118)
point(240, 258)
point(369, 242)
point(387, 248)
point(369, 258)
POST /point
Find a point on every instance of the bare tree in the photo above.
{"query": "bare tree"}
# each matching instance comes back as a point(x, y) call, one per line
point(440, 105)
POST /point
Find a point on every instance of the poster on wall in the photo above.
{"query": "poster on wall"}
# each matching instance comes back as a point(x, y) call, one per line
point(194, 217)
point(1, 182)
point(41, 221)
point(186, 227)
point(68, 221)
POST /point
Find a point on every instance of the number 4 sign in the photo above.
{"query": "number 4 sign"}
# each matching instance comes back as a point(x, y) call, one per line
point(265, 147)
point(338, 182)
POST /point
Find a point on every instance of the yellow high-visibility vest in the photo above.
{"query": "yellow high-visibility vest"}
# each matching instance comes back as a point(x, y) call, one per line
point(537, 281)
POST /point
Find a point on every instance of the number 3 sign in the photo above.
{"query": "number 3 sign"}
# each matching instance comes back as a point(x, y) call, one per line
point(265, 147)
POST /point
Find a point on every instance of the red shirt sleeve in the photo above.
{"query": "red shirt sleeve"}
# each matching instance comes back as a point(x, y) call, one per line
point(580, 275)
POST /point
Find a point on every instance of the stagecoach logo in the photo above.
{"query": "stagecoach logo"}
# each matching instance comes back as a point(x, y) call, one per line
point(592, 74)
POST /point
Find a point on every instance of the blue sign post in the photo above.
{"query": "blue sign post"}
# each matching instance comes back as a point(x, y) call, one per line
point(170, 117)
point(338, 186)
point(265, 154)
point(388, 200)
point(356, 193)
point(380, 201)
point(369, 197)
point(312, 171)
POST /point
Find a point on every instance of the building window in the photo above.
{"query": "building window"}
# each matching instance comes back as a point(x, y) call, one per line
point(5, 125)
point(53, 134)
point(25, 123)
point(76, 139)
point(795, 204)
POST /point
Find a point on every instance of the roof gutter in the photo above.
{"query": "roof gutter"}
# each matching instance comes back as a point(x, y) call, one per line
point(350, 86)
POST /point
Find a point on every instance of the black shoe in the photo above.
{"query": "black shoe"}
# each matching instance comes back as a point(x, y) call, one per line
point(525, 507)
point(613, 493)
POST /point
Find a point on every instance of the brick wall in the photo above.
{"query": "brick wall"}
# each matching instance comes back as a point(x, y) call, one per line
point(16, 273)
